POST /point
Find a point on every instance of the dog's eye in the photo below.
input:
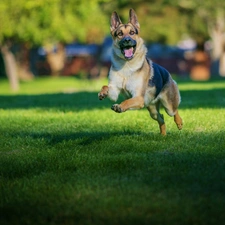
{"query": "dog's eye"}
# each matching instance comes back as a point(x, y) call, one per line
point(132, 32)
point(120, 34)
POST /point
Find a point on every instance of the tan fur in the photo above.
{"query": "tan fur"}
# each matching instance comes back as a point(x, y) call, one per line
point(131, 77)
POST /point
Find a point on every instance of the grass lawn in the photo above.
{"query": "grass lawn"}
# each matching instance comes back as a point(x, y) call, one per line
point(67, 158)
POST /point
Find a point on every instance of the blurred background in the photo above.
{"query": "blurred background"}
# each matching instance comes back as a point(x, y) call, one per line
point(72, 37)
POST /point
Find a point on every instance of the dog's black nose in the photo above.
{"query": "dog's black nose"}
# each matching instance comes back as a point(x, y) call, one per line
point(126, 40)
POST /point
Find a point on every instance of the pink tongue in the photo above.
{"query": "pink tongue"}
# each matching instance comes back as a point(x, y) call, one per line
point(128, 52)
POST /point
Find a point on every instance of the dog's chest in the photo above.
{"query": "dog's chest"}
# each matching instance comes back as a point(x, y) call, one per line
point(130, 84)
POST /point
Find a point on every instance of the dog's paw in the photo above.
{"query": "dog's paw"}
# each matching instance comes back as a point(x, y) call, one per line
point(180, 126)
point(117, 108)
point(102, 95)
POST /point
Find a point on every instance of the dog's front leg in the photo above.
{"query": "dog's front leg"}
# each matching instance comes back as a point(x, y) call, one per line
point(103, 93)
point(110, 91)
point(132, 103)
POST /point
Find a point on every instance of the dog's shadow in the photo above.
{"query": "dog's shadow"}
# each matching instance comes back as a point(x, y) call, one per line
point(81, 138)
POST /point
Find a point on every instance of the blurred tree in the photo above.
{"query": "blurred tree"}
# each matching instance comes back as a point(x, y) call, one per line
point(207, 21)
point(43, 22)
point(160, 20)
point(166, 21)
point(40, 22)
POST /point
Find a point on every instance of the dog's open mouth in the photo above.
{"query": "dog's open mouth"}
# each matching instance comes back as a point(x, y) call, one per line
point(128, 47)
point(128, 52)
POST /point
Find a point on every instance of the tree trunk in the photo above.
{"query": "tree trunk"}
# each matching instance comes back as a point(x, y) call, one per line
point(222, 64)
point(22, 57)
point(217, 33)
point(10, 67)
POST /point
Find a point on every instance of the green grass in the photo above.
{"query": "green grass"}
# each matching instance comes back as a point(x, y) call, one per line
point(66, 158)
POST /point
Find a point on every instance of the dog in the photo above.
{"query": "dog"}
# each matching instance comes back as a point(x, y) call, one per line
point(143, 82)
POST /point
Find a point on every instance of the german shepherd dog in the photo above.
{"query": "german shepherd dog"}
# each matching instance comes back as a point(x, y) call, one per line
point(144, 83)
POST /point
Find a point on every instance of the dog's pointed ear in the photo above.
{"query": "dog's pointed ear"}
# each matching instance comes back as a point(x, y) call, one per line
point(134, 19)
point(115, 21)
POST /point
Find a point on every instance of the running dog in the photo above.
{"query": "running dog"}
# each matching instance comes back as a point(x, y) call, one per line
point(143, 82)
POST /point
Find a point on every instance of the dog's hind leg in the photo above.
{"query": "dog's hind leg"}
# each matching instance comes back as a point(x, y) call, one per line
point(170, 99)
point(154, 113)
point(175, 114)
point(178, 120)
point(170, 104)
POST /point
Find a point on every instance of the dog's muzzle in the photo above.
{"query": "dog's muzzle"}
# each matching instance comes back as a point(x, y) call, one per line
point(128, 47)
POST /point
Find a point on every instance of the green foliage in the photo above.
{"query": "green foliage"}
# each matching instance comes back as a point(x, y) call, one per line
point(167, 21)
point(66, 158)
point(38, 22)
point(42, 21)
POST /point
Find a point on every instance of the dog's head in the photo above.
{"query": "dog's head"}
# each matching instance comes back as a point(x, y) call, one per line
point(125, 36)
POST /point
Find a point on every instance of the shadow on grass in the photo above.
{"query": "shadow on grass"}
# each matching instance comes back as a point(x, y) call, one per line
point(56, 146)
point(64, 146)
point(60, 101)
point(65, 183)
point(65, 186)
point(83, 138)
point(214, 98)
point(89, 100)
